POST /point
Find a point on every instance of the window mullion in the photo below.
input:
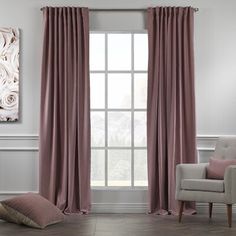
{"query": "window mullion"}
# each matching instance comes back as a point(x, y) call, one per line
point(132, 110)
point(106, 112)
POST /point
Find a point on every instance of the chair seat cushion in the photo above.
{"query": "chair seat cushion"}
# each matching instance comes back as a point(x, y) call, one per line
point(209, 185)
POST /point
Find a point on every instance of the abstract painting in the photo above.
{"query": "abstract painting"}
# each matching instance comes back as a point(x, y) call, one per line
point(9, 74)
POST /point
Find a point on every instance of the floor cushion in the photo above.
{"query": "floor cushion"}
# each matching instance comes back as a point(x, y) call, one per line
point(30, 209)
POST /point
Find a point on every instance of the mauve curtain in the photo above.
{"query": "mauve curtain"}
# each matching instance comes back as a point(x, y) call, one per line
point(65, 109)
point(171, 102)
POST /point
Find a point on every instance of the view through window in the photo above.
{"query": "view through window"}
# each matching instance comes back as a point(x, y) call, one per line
point(118, 81)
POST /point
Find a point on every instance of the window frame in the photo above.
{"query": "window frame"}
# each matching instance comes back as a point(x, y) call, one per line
point(106, 110)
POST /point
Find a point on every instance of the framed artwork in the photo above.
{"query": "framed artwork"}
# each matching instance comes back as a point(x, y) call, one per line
point(9, 74)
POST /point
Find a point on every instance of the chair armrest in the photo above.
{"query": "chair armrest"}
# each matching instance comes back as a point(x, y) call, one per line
point(230, 184)
point(189, 171)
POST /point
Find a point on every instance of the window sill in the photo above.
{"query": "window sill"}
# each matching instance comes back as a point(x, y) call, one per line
point(119, 188)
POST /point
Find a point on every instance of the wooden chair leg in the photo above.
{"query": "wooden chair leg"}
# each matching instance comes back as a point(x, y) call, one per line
point(229, 213)
point(210, 209)
point(181, 208)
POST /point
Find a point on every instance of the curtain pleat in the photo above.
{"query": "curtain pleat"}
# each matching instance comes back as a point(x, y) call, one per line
point(171, 131)
point(65, 109)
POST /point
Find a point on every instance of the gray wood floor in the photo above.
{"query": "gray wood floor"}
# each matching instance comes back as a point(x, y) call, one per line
point(128, 225)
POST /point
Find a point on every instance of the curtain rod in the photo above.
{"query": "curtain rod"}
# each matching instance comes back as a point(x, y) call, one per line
point(121, 9)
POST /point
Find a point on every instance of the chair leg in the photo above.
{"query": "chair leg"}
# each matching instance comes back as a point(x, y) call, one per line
point(229, 213)
point(181, 208)
point(210, 209)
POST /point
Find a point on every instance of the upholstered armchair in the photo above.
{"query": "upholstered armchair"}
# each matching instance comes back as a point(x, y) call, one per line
point(192, 185)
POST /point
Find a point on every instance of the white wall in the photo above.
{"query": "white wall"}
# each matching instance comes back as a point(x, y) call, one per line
point(215, 50)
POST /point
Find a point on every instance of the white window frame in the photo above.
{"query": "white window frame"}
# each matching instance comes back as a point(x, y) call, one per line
point(106, 110)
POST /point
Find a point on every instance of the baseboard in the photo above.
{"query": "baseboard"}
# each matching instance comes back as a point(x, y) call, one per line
point(118, 208)
point(202, 208)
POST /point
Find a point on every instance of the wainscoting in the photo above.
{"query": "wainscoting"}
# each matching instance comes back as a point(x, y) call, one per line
point(18, 163)
point(19, 174)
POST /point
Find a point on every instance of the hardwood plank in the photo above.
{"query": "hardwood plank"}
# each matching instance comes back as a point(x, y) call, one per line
point(210, 209)
point(181, 208)
point(229, 213)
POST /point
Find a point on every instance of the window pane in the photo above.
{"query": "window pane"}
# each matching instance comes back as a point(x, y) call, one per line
point(140, 90)
point(97, 90)
point(140, 127)
point(119, 90)
point(98, 168)
point(119, 168)
point(140, 167)
point(119, 51)
point(140, 51)
point(119, 96)
point(97, 129)
point(97, 52)
point(119, 129)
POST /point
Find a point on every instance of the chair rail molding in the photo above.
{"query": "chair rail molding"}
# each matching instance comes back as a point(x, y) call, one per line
point(36, 136)
point(29, 143)
point(19, 142)
point(19, 137)
point(204, 142)
point(19, 149)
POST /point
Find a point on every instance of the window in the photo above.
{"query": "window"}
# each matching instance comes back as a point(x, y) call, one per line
point(118, 81)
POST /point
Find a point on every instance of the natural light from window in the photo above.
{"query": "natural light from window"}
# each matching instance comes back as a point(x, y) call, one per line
point(118, 81)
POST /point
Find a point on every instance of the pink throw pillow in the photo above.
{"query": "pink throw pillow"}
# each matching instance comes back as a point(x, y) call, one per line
point(216, 168)
point(30, 209)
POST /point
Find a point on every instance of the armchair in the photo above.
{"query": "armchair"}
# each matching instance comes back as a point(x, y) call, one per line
point(192, 184)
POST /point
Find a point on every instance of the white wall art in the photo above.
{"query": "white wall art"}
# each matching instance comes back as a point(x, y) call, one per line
point(9, 74)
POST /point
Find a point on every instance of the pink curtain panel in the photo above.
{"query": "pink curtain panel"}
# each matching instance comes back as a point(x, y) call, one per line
point(171, 102)
point(65, 109)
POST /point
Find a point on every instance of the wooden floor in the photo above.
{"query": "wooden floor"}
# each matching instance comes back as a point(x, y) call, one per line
point(128, 225)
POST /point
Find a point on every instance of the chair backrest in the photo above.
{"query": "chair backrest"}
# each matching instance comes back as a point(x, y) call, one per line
point(225, 148)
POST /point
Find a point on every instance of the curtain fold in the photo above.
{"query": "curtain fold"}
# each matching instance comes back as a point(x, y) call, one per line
point(64, 148)
point(171, 103)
